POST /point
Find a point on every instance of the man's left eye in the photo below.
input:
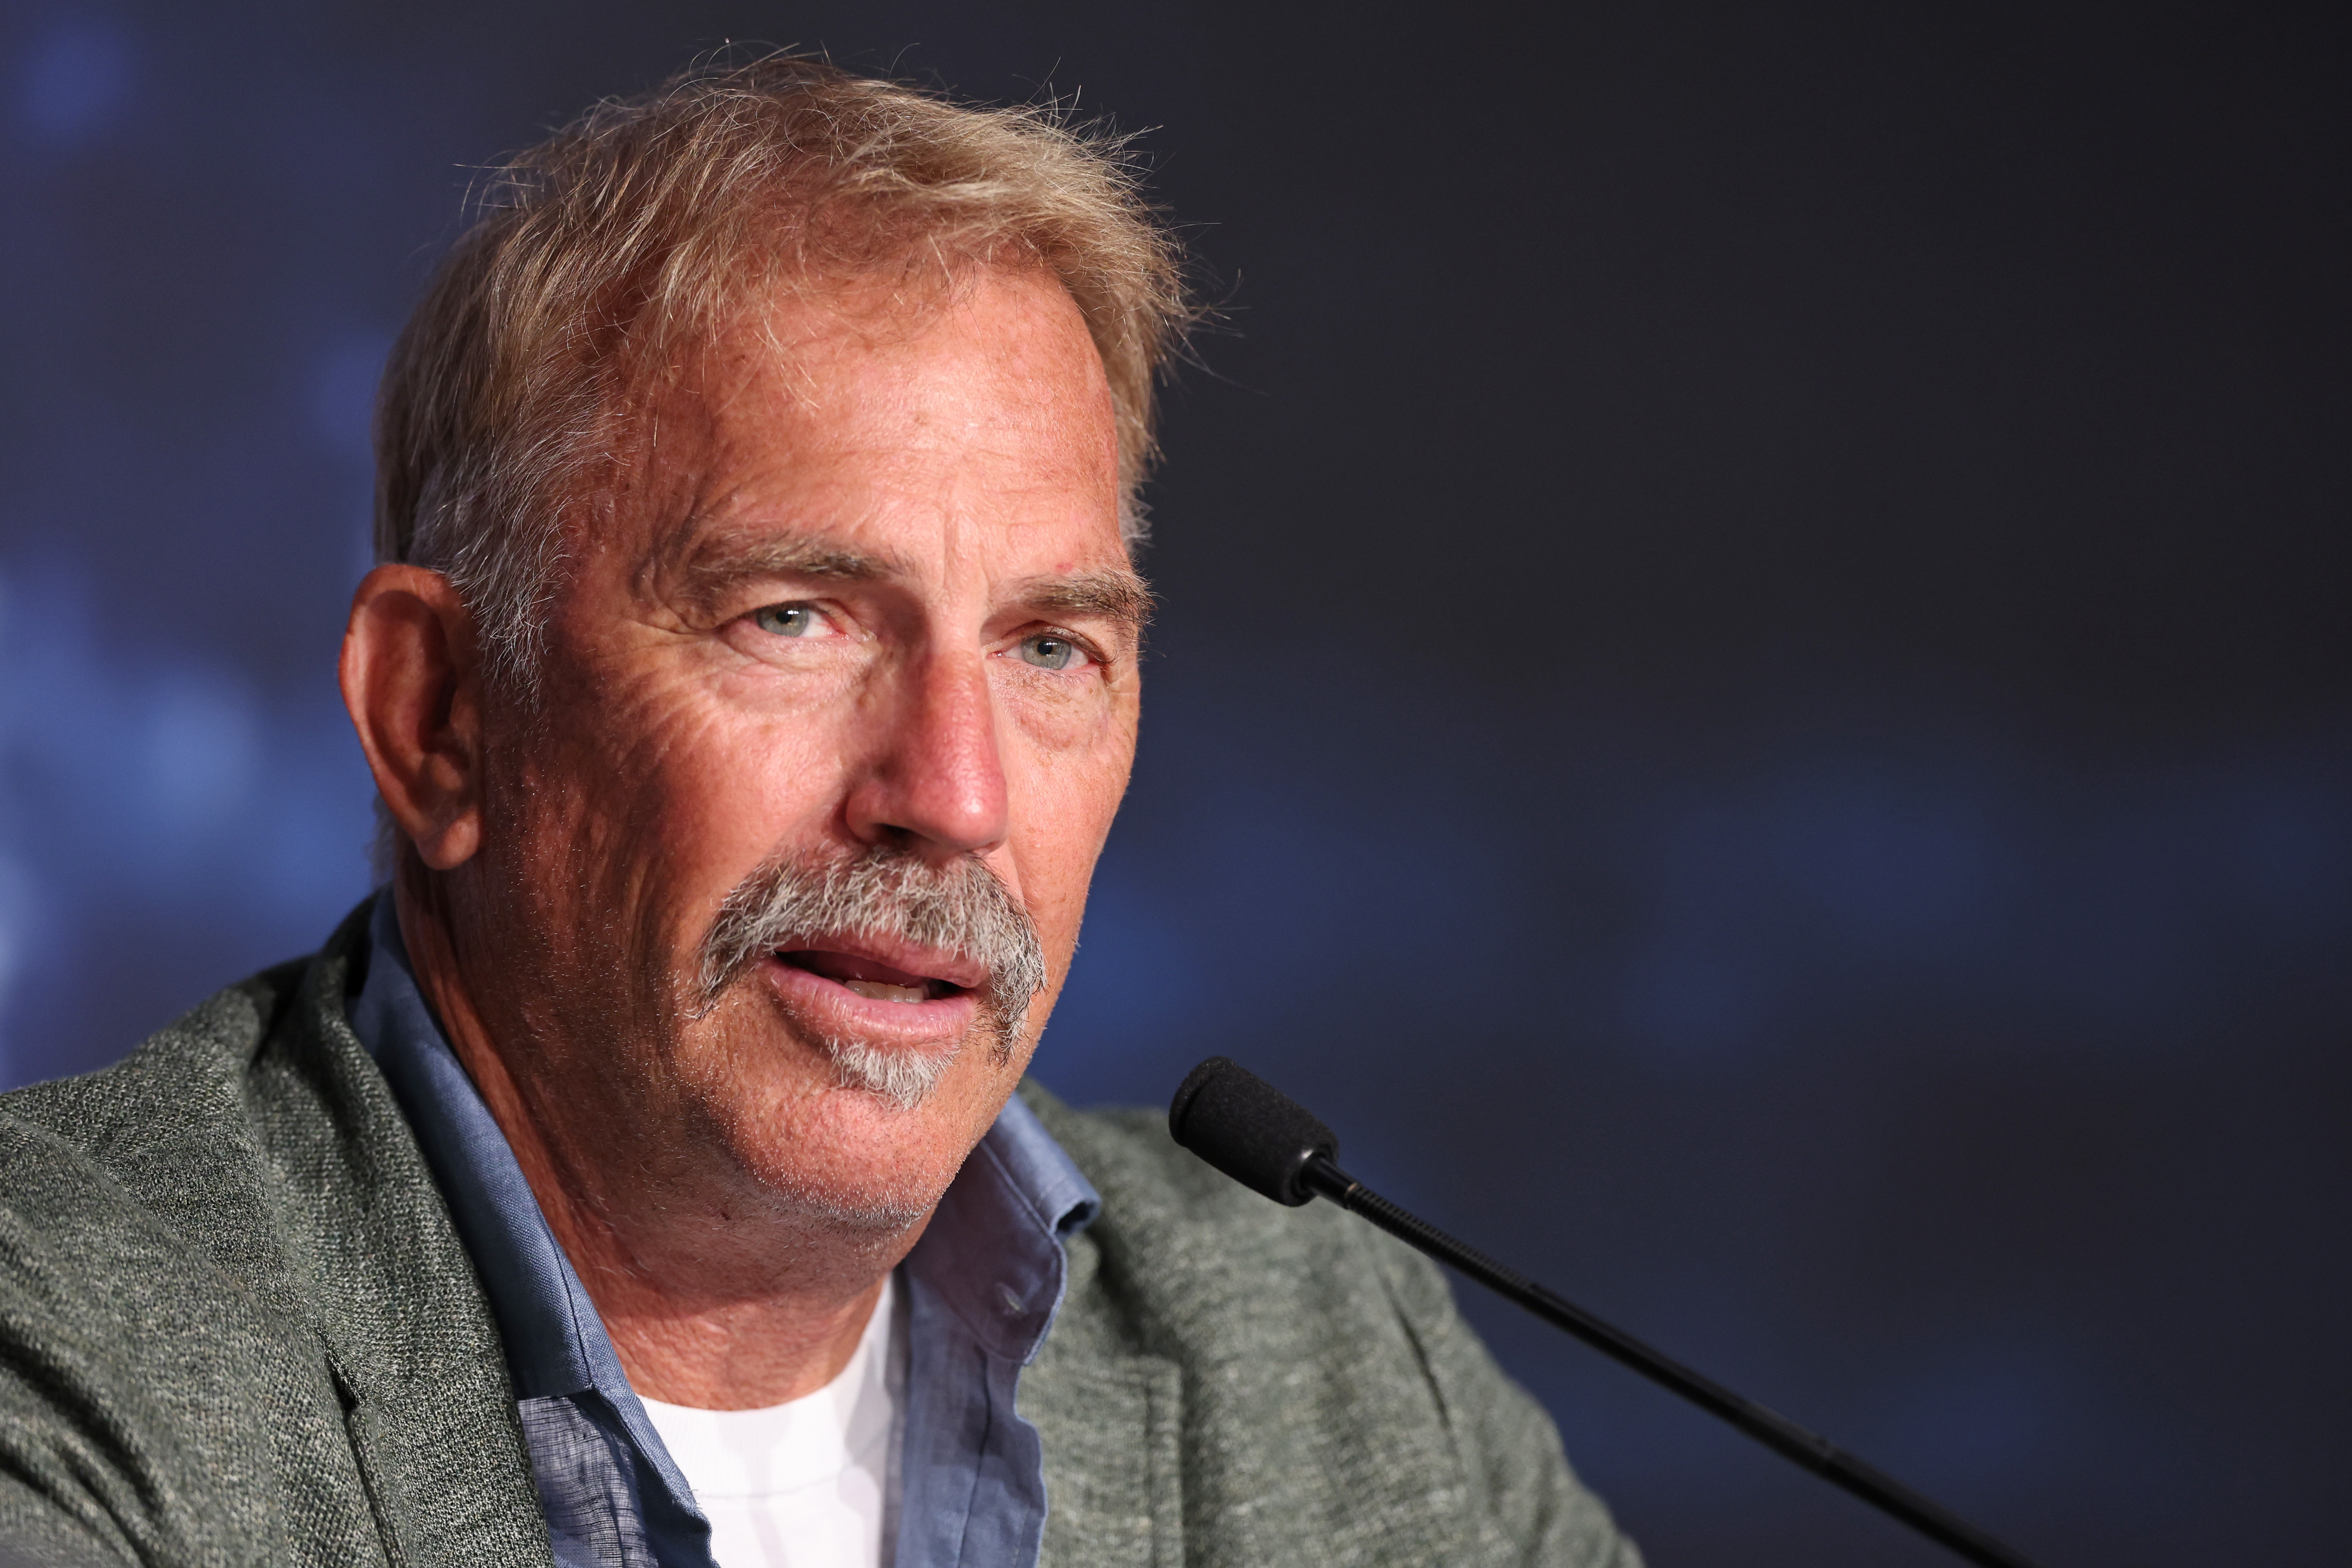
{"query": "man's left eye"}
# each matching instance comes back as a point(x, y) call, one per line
point(788, 620)
point(1047, 651)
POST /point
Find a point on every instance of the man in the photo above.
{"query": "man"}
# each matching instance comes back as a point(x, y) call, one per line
point(749, 684)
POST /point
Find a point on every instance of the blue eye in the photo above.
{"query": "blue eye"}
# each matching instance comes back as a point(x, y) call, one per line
point(1047, 652)
point(786, 620)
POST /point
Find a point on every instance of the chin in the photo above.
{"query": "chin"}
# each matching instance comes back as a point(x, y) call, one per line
point(826, 1145)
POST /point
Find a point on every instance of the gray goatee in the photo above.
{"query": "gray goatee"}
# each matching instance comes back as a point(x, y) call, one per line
point(891, 895)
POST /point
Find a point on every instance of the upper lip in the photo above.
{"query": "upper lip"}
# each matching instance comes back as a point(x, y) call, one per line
point(926, 964)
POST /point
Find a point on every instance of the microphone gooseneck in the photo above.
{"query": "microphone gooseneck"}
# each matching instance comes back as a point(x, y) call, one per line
point(1270, 1144)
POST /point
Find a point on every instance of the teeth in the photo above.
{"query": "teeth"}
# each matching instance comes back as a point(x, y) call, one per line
point(875, 991)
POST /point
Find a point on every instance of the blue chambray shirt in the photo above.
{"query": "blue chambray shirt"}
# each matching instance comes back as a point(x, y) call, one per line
point(982, 1287)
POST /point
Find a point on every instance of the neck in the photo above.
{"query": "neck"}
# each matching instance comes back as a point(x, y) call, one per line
point(714, 1295)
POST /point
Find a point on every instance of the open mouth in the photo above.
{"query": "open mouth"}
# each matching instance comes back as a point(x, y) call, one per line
point(870, 977)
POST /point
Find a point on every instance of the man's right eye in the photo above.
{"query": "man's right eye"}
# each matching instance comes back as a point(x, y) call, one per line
point(787, 620)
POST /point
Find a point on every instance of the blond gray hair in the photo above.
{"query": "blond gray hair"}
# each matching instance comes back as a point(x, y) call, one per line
point(647, 222)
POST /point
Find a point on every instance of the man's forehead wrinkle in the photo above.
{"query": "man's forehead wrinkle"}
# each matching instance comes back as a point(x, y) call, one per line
point(780, 340)
point(672, 470)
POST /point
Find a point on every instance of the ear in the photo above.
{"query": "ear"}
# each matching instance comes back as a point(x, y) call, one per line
point(410, 680)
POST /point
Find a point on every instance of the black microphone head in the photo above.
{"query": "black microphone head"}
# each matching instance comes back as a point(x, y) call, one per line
point(1248, 1129)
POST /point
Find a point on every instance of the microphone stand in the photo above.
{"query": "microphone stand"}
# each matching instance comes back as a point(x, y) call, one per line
point(1766, 1426)
point(1269, 1142)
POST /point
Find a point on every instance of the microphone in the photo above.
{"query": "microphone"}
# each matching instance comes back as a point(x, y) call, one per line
point(1273, 1145)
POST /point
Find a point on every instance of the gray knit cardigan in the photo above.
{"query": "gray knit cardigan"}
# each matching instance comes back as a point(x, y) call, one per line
point(237, 1327)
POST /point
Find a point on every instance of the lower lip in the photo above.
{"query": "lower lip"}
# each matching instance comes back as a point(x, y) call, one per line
point(833, 1006)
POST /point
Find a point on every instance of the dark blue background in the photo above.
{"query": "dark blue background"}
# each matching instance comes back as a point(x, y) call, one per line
point(1753, 696)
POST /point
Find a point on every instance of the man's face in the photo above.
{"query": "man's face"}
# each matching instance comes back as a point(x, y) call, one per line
point(861, 611)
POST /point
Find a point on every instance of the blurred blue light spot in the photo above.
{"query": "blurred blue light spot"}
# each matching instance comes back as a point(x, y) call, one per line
point(74, 80)
point(1690, 1005)
point(154, 786)
point(1899, 869)
point(203, 751)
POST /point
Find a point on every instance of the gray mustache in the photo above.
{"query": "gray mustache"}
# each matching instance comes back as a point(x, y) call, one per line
point(886, 894)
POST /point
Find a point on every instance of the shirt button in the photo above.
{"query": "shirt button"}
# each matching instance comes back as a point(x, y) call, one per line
point(1010, 1299)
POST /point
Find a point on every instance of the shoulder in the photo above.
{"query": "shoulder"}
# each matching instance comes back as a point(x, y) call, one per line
point(254, 1145)
point(183, 1080)
point(1334, 1405)
point(155, 1153)
point(1188, 1263)
point(221, 1260)
point(143, 1300)
point(214, 1127)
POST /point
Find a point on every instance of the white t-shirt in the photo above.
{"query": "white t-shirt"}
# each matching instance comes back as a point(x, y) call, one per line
point(808, 1484)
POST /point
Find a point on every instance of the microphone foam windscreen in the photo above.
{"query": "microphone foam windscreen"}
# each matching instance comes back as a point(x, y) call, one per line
point(1248, 1129)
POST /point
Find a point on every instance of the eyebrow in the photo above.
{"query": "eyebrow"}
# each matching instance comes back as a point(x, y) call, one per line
point(716, 564)
point(1120, 596)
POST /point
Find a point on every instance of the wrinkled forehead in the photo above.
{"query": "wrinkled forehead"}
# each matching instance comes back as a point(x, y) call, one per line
point(855, 409)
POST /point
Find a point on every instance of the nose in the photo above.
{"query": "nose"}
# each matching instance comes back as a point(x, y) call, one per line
point(935, 781)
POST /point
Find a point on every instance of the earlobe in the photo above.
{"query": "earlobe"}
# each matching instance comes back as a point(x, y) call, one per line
point(409, 680)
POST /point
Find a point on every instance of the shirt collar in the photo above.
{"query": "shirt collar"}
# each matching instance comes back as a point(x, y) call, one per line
point(995, 1250)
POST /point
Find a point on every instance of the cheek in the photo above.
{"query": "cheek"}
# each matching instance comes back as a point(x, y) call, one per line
point(1063, 800)
point(722, 790)
point(1080, 717)
point(665, 795)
